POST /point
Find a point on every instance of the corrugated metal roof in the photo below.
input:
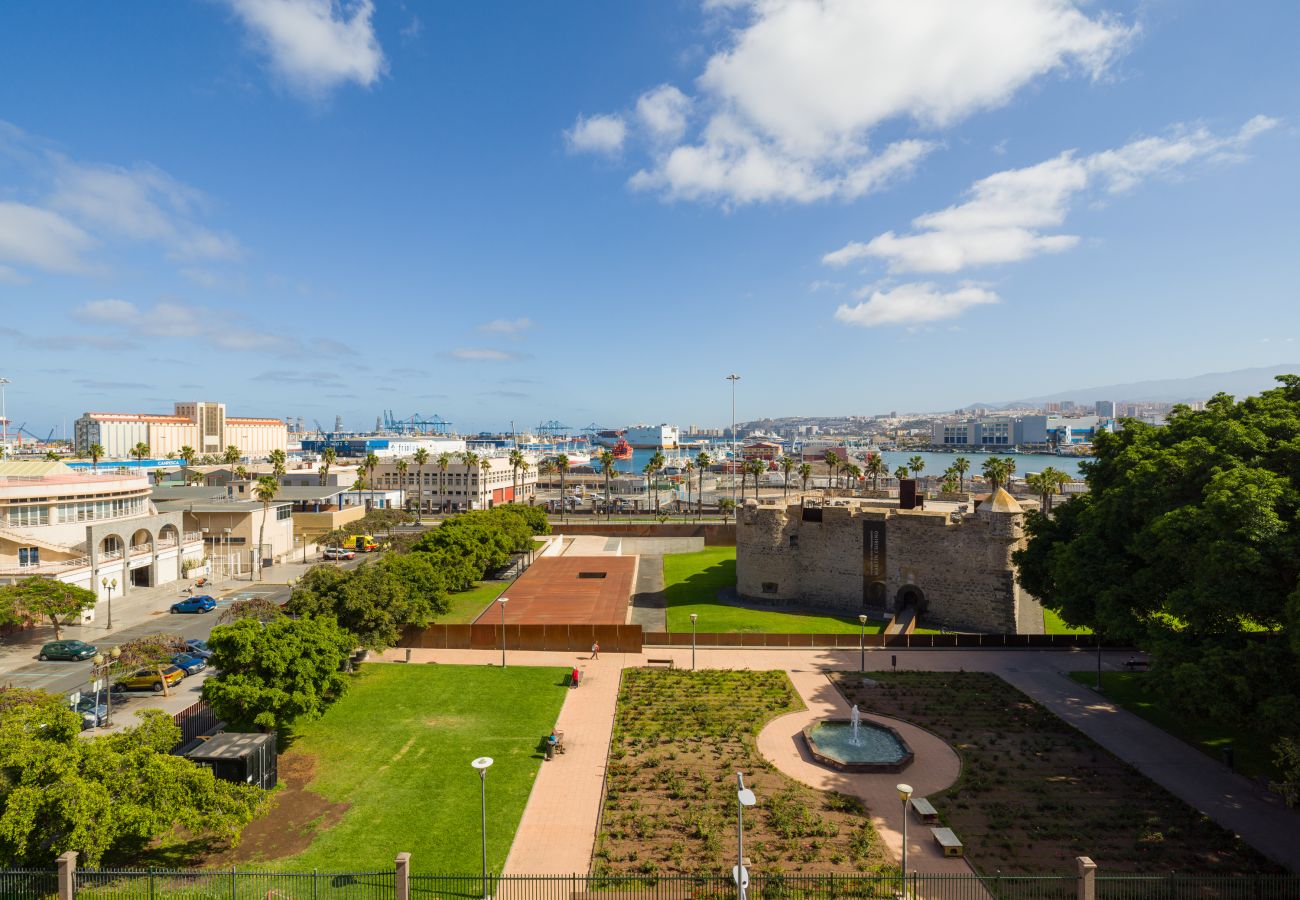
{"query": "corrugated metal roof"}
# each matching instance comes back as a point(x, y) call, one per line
point(32, 468)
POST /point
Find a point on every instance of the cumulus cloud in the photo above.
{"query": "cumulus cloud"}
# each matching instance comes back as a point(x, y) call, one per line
point(913, 304)
point(315, 45)
point(1006, 215)
point(790, 100)
point(602, 135)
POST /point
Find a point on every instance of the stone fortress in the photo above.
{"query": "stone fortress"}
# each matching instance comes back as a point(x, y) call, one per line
point(852, 555)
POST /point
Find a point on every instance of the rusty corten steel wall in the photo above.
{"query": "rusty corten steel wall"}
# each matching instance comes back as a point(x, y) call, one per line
point(573, 638)
point(718, 535)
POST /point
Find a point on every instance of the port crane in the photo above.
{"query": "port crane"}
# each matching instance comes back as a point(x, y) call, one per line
point(416, 424)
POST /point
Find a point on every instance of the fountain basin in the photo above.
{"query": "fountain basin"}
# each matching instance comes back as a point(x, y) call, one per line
point(882, 749)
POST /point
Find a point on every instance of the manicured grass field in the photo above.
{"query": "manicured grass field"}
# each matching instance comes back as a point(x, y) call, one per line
point(466, 605)
point(1129, 690)
point(396, 751)
point(1054, 625)
point(691, 585)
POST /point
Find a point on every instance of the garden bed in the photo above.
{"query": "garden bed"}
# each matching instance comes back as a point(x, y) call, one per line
point(670, 806)
point(1035, 793)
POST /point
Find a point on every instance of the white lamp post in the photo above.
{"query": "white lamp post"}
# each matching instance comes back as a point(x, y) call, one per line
point(905, 795)
point(109, 584)
point(503, 601)
point(733, 378)
point(482, 764)
point(744, 797)
point(694, 616)
point(102, 666)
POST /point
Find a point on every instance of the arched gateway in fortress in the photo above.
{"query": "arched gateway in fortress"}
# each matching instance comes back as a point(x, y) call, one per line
point(853, 555)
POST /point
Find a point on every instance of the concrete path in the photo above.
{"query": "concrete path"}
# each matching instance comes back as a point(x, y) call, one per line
point(935, 767)
point(1190, 775)
point(648, 607)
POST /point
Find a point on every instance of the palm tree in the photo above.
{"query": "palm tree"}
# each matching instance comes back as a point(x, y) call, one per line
point(562, 467)
point(877, 469)
point(470, 459)
point(188, 455)
point(648, 473)
point(1045, 484)
point(1009, 468)
point(787, 466)
point(725, 506)
point(950, 480)
point(900, 473)
point(832, 463)
point(516, 459)
point(996, 471)
point(702, 461)
point(278, 461)
point(444, 460)
point(805, 472)
point(158, 476)
point(96, 451)
point(688, 467)
point(327, 457)
point(371, 463)
point(756, 469)
point(421, 457)
point(140, 451)
point(484, 467)
point(265, 491)
point(607, 461)
point(231, 456)
point(52, 455)
point(916, 465)
point(961, 465)
point(851, 474)
point(401, 467)
point(657, 463)
point(523, 470)
point(241, 473)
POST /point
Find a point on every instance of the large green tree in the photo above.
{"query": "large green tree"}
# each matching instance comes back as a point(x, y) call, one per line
point(272, 673)
point(1188, 544)
point(38, 599)
point(109, 796)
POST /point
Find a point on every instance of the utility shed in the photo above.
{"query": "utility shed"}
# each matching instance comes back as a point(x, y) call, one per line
point(239, 757)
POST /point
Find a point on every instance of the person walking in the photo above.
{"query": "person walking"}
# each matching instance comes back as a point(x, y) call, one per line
point(595, 650)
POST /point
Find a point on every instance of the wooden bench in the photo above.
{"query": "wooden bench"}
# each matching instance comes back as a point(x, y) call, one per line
point(1137, 665)
point(925, 811)
point(666, 663)
point(945, 838)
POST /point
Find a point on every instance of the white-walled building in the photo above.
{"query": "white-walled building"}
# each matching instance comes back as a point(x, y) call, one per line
point(201, 425)
point(460, 487)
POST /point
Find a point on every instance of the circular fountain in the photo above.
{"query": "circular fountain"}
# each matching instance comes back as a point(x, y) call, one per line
point(852, 745)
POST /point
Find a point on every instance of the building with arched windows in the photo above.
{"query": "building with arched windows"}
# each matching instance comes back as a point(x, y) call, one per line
point(95, 529)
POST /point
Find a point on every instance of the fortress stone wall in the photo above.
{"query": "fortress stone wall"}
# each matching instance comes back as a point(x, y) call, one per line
point(867, 555)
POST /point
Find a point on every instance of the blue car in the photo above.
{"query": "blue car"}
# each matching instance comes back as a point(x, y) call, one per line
point(93, 711)
point(188, 663)
point(199, 604)
point(198, 648)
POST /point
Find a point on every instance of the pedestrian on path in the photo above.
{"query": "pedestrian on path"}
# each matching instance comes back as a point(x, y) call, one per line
point(595, 650)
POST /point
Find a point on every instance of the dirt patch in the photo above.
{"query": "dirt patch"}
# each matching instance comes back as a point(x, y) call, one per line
point(295, 818)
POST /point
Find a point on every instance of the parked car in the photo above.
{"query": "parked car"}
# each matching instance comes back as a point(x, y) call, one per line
point(93, 711)
point(148, 679)
point(189, 663)
point(200, 604)
point(198, 648)
point(340, 553)
point(70, 650)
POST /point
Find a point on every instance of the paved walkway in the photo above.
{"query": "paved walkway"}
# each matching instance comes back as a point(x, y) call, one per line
point(648, 607)
point(1198, 780)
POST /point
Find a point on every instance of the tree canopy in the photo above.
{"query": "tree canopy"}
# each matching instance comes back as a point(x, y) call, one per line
point(1188, 543)
point(37, 598)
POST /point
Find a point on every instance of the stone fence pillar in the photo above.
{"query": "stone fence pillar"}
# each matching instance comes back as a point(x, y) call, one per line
point(67, 875)
point(402, 877)
point(1087, 878)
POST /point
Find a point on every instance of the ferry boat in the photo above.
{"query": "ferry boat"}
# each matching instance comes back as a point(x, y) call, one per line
point(622, 449)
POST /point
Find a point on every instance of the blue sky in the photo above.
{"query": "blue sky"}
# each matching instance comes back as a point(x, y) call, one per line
point(593, 212)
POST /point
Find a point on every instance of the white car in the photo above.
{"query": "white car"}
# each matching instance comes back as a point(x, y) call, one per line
point(339, 553)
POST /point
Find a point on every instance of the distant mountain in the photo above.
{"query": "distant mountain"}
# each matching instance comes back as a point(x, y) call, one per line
point(1240, 383)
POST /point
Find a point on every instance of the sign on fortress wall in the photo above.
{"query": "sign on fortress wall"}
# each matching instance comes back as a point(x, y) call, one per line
point(873, 562)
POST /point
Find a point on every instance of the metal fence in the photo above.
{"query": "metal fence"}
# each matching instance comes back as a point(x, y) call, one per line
point(193, 721)
point(255, 884)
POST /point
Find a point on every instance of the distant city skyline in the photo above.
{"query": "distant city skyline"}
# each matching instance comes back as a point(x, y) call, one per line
point(592, 213)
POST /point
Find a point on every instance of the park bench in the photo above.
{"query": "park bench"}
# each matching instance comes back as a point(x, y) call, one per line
point(1137, 665)
point(925, 811)
point(945, 838)
point(666, 663)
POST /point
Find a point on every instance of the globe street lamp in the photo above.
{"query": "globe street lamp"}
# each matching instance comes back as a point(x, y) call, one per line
point(503, 601)
point(862, 644)
point(482, 764)
point(694, 616)
point(102, 664)
point(905, 795)
point(744, 797)
point(109, 584)
point(733, 378)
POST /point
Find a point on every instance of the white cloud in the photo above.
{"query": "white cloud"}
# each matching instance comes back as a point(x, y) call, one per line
point(793, 96)
point(173, 320)
point(316, 45)
point(483, 354)
point(108, 311)
point(913, 304)
point(596, 134)
point(40, 238)
point(507, 326)
point(663, 111)
point(1006, 214)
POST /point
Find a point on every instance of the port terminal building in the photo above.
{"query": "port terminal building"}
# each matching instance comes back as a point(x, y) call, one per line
point(199, 424)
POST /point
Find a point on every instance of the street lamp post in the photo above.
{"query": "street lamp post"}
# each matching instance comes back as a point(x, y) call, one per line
point(503, 601)
point(694, 616)
point(862, 644)
point(109, 584)
point(905, 794)
point(102, 665)
point(1098, 635)
point(482, 764)
point(733, 378)
point(744, 797)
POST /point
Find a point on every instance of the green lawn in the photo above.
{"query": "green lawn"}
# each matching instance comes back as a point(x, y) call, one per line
point(466, 605)
point(1054, 625)
point(691, 585)
point(1129, 690)
point(397, 749)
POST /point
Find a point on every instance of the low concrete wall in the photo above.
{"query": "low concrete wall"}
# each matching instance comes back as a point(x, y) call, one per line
point(573, 638)
point(715, 535)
